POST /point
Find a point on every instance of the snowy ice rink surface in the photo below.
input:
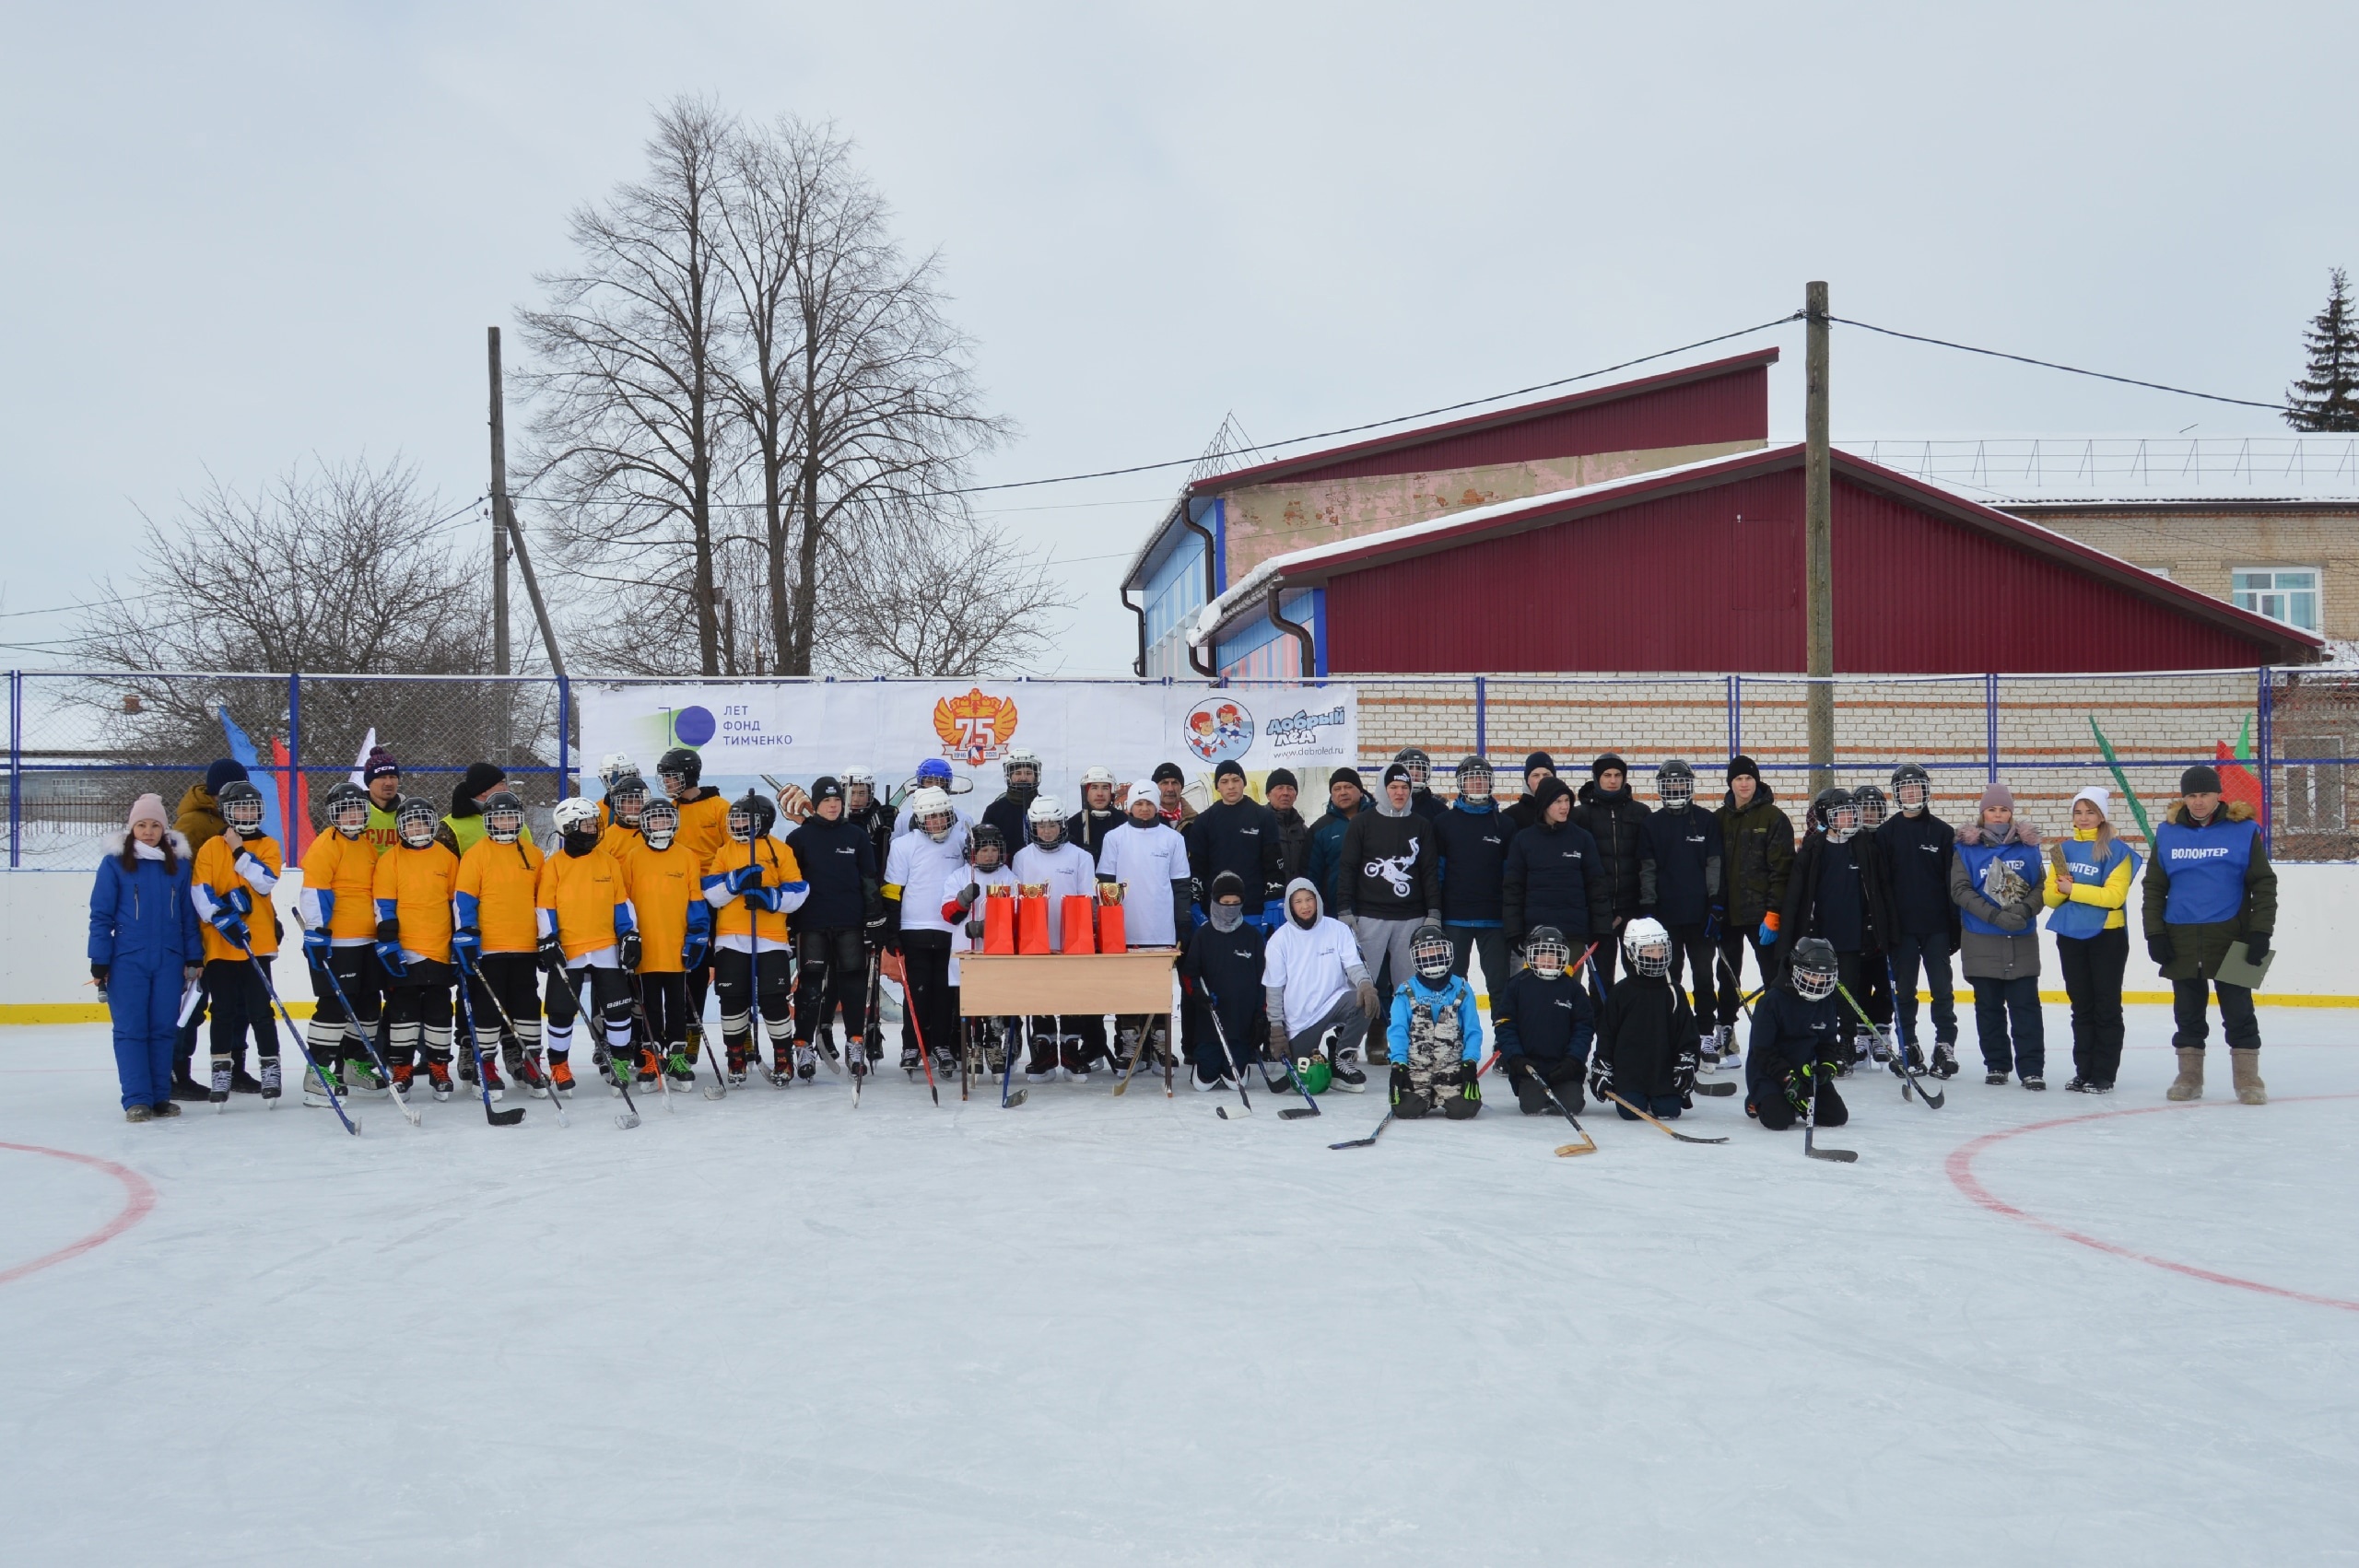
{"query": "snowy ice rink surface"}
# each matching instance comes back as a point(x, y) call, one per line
point(1090, 1331)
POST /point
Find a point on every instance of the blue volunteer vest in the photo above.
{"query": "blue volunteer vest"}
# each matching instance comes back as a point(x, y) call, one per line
point(2025, 859)
point(2085, 920)
point(2206, 867)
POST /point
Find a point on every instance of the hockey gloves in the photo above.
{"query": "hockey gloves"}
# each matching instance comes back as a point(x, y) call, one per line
point(2160, 948)
point(1682, 1073)
point(1768, 932)
point(318, 944)
point(1600, 1080)
point(630, 952)
point(225, 920)
point(740, 878)
point(552, 954)
point(466, 946)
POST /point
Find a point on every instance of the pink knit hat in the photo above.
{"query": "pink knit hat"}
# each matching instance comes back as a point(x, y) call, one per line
point(149, 808)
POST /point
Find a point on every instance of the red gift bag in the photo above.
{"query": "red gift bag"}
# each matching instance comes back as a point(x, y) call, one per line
point(1032, 925)
point(1073, 923)
point(999, 924)
point(1109, 929)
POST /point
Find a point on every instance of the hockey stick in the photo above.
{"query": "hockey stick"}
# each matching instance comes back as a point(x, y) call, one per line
point(1662, 1126)
point(1138, 1055)
point(351, 1122)
point(1809, 1133)
point(639, 1017)
point(627, 1118)
point(514, 1114)
point(1244, 1101)
point(909, 1011)
point(507, 1028)
point(1587, 1145)
point(1933, 1098)
point(1371, 1138)
point(352, 1027)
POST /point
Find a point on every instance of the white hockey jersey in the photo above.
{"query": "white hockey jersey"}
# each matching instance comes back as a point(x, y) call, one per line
point(1069, 873)
point(1149, 860)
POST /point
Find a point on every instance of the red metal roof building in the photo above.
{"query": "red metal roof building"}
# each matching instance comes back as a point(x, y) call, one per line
point(1225, 524)
point(1700, 567)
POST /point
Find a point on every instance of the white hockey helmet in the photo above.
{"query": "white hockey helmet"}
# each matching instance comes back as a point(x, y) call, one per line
point(573, 813)
point(929, 806)
point(1046, 815)
point(1646, 945)
point(1020, 757)
point(612, 765)
point(862, 779)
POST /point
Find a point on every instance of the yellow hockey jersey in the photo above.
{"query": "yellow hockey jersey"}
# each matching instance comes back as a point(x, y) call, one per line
point(415, 887)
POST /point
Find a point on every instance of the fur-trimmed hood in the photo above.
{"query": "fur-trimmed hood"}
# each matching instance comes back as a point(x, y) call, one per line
point(115, 841)
point(2020, 831)
point(2230, 811)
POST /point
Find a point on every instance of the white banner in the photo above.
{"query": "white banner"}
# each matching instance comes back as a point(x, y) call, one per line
point(767, 735)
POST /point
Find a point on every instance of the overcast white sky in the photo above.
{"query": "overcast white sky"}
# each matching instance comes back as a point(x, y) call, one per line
point(239, 235)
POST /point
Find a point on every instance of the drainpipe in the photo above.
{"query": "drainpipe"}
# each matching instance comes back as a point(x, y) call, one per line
point(1138, 665)
point(1301, 633)
point(1188, 521)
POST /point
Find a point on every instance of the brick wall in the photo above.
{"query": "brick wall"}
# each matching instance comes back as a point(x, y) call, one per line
point(2199, 546)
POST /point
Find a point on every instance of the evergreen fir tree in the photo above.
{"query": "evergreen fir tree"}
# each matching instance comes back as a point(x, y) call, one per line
point(2327, 397)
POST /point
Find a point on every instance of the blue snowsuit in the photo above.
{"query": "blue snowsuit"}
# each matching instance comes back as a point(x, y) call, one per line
point(143, 927)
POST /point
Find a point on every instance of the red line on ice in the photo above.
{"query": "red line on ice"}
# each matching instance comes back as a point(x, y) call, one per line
point(139, 1199)
point(1961, 1169)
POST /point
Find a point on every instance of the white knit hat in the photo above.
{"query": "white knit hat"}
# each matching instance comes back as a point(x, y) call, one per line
point(2099, 797)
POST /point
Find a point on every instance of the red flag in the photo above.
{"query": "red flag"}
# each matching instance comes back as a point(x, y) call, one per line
point(2236, 781)
point(294, 800)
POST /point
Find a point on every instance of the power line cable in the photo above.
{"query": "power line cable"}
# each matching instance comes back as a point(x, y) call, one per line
point(2052, 365)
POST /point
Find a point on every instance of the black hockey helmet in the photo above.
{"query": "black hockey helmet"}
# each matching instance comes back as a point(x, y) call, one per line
point(659, 823)
point(1420, 766)
point(750, 817)
point(415, 819)
point(1473, 777)
point(503, 818)
point(1429, 952)
point(1908, 779)
point(240, 805)
point(627, 798)
point(1812, 970)
point(347, 808)
point(1833, 812)
point(1871, 801)
point(679, 769)
point(1675, 782)
point(987, 838)
point(1548, 951)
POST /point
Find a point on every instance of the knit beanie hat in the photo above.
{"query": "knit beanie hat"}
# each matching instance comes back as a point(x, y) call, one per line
point(2201, 779)
point(1550, 788)
point(1281, 779)
point(481, 776)
point(1346, 776)
point(148, 808)
point(1168, 772)
point(2099, 797)
point(1997, 794)
point(1225, 769)
point(228, 771)
point(381, 763)
point(1538, 759)
point(1744, 766)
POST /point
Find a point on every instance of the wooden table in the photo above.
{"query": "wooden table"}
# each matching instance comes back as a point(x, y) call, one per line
point(1074, 984)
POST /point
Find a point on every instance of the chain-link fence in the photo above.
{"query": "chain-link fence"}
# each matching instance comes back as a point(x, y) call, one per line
point(82, 744)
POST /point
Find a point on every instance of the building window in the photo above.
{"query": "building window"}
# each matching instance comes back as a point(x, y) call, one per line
point(2283, 594)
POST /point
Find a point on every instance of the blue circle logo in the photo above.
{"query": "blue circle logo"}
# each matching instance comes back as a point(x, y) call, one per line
point(693, 726)
point(1218, 729)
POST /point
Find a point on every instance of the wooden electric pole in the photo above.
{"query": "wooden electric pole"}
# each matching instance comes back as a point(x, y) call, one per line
point(1818, 532)
point(500, 664)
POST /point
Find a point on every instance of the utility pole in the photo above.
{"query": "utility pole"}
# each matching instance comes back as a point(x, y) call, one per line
point(1818, 532)
point(499, 649)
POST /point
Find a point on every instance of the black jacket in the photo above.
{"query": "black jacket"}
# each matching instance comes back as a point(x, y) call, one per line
point(1243, 838)
point(1006, 813)
point(1914, 853)
point(1805, 913)
point(1473, 856)
point(1756, 855)
point(1089, 828)
point(1617, 822)
point(1229, 966)
point(839, 864)
point(1553, 878)
point(1427, 804)
point(1646, 1026)
point(1679, 879)
point(1389, 869)
point(1544, 1020)
point(1789, 1035)
point(1293, 841)
point(876, 819)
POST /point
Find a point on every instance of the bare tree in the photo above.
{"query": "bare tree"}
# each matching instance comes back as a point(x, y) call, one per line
point(855, 391)
point(346, 571)
point(632, 433)
point(948, 598)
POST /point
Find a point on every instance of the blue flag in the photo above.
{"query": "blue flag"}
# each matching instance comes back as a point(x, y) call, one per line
point(256, 770)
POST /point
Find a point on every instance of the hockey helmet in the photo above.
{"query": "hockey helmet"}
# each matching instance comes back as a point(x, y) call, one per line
point(1834, 813)
point(680, 769)
point(1429, 953)
point(503, 818)
point(1420, 766)
point(1548, 951)
point(1020, 759)
point(627, 797)
point(1675, 783)
point(1812, 969)
point(612, 765)
point(929, 806)
point(414, 819)
point(659, 824)
point(347, 808)
point(1869, 800)
point(1473, 779)
point(1912, 788)
point(987, 848)
point(240, 805)
point(576, 815)
point(751, 818)
point(1315, 1074)
point(1646, 946)
point(1045, 817)
point(860, 788)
